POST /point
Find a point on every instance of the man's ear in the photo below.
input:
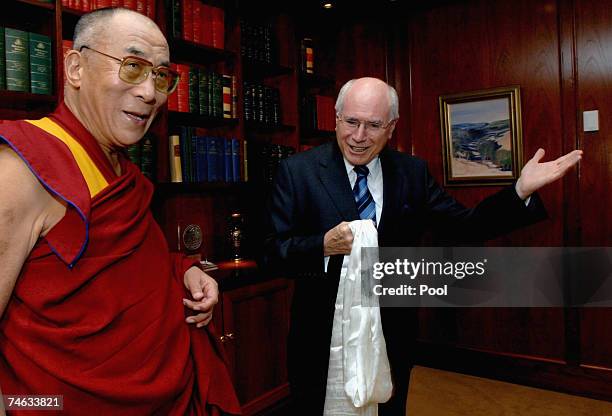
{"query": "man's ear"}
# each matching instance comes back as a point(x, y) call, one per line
point(392, 128)
point(73, 69)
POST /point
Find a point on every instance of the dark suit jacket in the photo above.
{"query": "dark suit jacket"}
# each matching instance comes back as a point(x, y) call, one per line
point(311, 195)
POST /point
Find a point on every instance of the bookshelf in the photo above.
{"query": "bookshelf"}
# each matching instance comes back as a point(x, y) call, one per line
point(39, 18)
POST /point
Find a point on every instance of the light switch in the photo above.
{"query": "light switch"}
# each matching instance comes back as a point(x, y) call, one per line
point(590, 120)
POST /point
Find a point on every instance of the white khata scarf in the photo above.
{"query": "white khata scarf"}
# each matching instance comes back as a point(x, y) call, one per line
point(358, 376)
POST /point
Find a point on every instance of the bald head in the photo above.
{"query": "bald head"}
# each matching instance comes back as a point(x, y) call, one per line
point(369, 86)
point(95, 26)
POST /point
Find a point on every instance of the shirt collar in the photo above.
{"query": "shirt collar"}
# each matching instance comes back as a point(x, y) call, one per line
point(373, 166)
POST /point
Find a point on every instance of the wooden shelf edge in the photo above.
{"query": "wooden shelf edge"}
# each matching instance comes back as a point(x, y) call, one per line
point(197, 120)
point(181, 187)
point(48, 6)
point(184, 51)
point(20, 101)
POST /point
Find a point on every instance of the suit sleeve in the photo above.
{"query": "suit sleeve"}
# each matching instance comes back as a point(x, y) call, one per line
point(496, 215)
point(289, 247)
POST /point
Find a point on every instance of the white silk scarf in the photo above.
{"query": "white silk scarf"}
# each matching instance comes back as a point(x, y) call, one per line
point(358, 376)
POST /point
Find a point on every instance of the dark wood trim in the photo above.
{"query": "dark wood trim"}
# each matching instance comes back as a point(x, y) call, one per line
point(586, 381)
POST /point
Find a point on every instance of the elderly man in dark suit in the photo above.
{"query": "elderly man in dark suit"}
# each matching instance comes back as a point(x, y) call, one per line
point(314, 198)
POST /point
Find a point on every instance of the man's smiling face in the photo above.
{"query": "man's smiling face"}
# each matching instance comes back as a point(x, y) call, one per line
point(367, 102)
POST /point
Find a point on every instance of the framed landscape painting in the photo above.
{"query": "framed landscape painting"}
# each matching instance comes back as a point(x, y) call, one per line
point(481, 137)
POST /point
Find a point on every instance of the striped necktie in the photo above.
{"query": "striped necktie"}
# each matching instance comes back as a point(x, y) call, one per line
point(363, 198)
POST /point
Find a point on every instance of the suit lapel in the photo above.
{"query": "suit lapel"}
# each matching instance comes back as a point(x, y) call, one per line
point(332, 173)
point(393, 184)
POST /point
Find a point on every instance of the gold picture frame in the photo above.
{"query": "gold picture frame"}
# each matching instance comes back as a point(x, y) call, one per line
point(481, 137)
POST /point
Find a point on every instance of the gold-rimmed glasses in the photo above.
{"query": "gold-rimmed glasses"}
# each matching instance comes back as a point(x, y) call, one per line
point(135, 70)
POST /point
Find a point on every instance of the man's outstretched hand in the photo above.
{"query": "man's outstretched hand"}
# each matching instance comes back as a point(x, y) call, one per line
point(536, 175)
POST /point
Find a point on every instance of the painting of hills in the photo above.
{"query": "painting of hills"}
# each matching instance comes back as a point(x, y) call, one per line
point(481, 139)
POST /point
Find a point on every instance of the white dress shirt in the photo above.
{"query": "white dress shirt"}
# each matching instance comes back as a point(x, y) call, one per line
point(375, 185)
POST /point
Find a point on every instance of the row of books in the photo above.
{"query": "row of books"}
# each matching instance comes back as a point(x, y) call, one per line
point(261, 104)
point(195, 158)
point(197, 22)
point(204, 92)
point(146, 7)
point(257, 41)
point(25, 61)
point(142, 154)
point(318, 112)
point(263, 161)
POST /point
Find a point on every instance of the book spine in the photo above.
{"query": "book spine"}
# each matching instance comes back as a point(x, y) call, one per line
point(195, 171)
point(212, 153)
point(197, 21)
point(217, 101)
point(307, 56)
point(86, 5)
point(188, 20)
point(235, 160)
point(183, 88)
point(227, 96)
point(245, 160)
point(211, 88)
point(176, 20)
point(185, 143)
point(101, 4)
point(276, 107)
point(234, 97)
point(146, 158)
point(17, 67)
point(227, 160)
point(218, 28)
point(202, 159)
point(173, 98)
point(203, 92)
point(260, 99)
point(194, 87)
point(267, 105)
point(206, 17)
point(174, 143)
point(40, 64)
point(247, 104)
point(2, 60)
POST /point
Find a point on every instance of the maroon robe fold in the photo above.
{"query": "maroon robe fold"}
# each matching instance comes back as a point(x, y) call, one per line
point(96, 313)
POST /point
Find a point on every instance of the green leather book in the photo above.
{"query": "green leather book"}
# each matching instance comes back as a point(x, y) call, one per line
point(17, 54)
point(194, 88)
point(41, 79)
point(2, 61)
point(203, 92)
point(217, 102)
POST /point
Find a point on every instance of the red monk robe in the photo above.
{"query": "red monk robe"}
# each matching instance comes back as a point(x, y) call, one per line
point(96, 314)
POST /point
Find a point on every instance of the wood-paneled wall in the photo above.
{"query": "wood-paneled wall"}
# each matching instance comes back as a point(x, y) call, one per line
point(560, 53)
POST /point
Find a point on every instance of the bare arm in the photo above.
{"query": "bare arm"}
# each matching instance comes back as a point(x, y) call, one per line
point(27, 211)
